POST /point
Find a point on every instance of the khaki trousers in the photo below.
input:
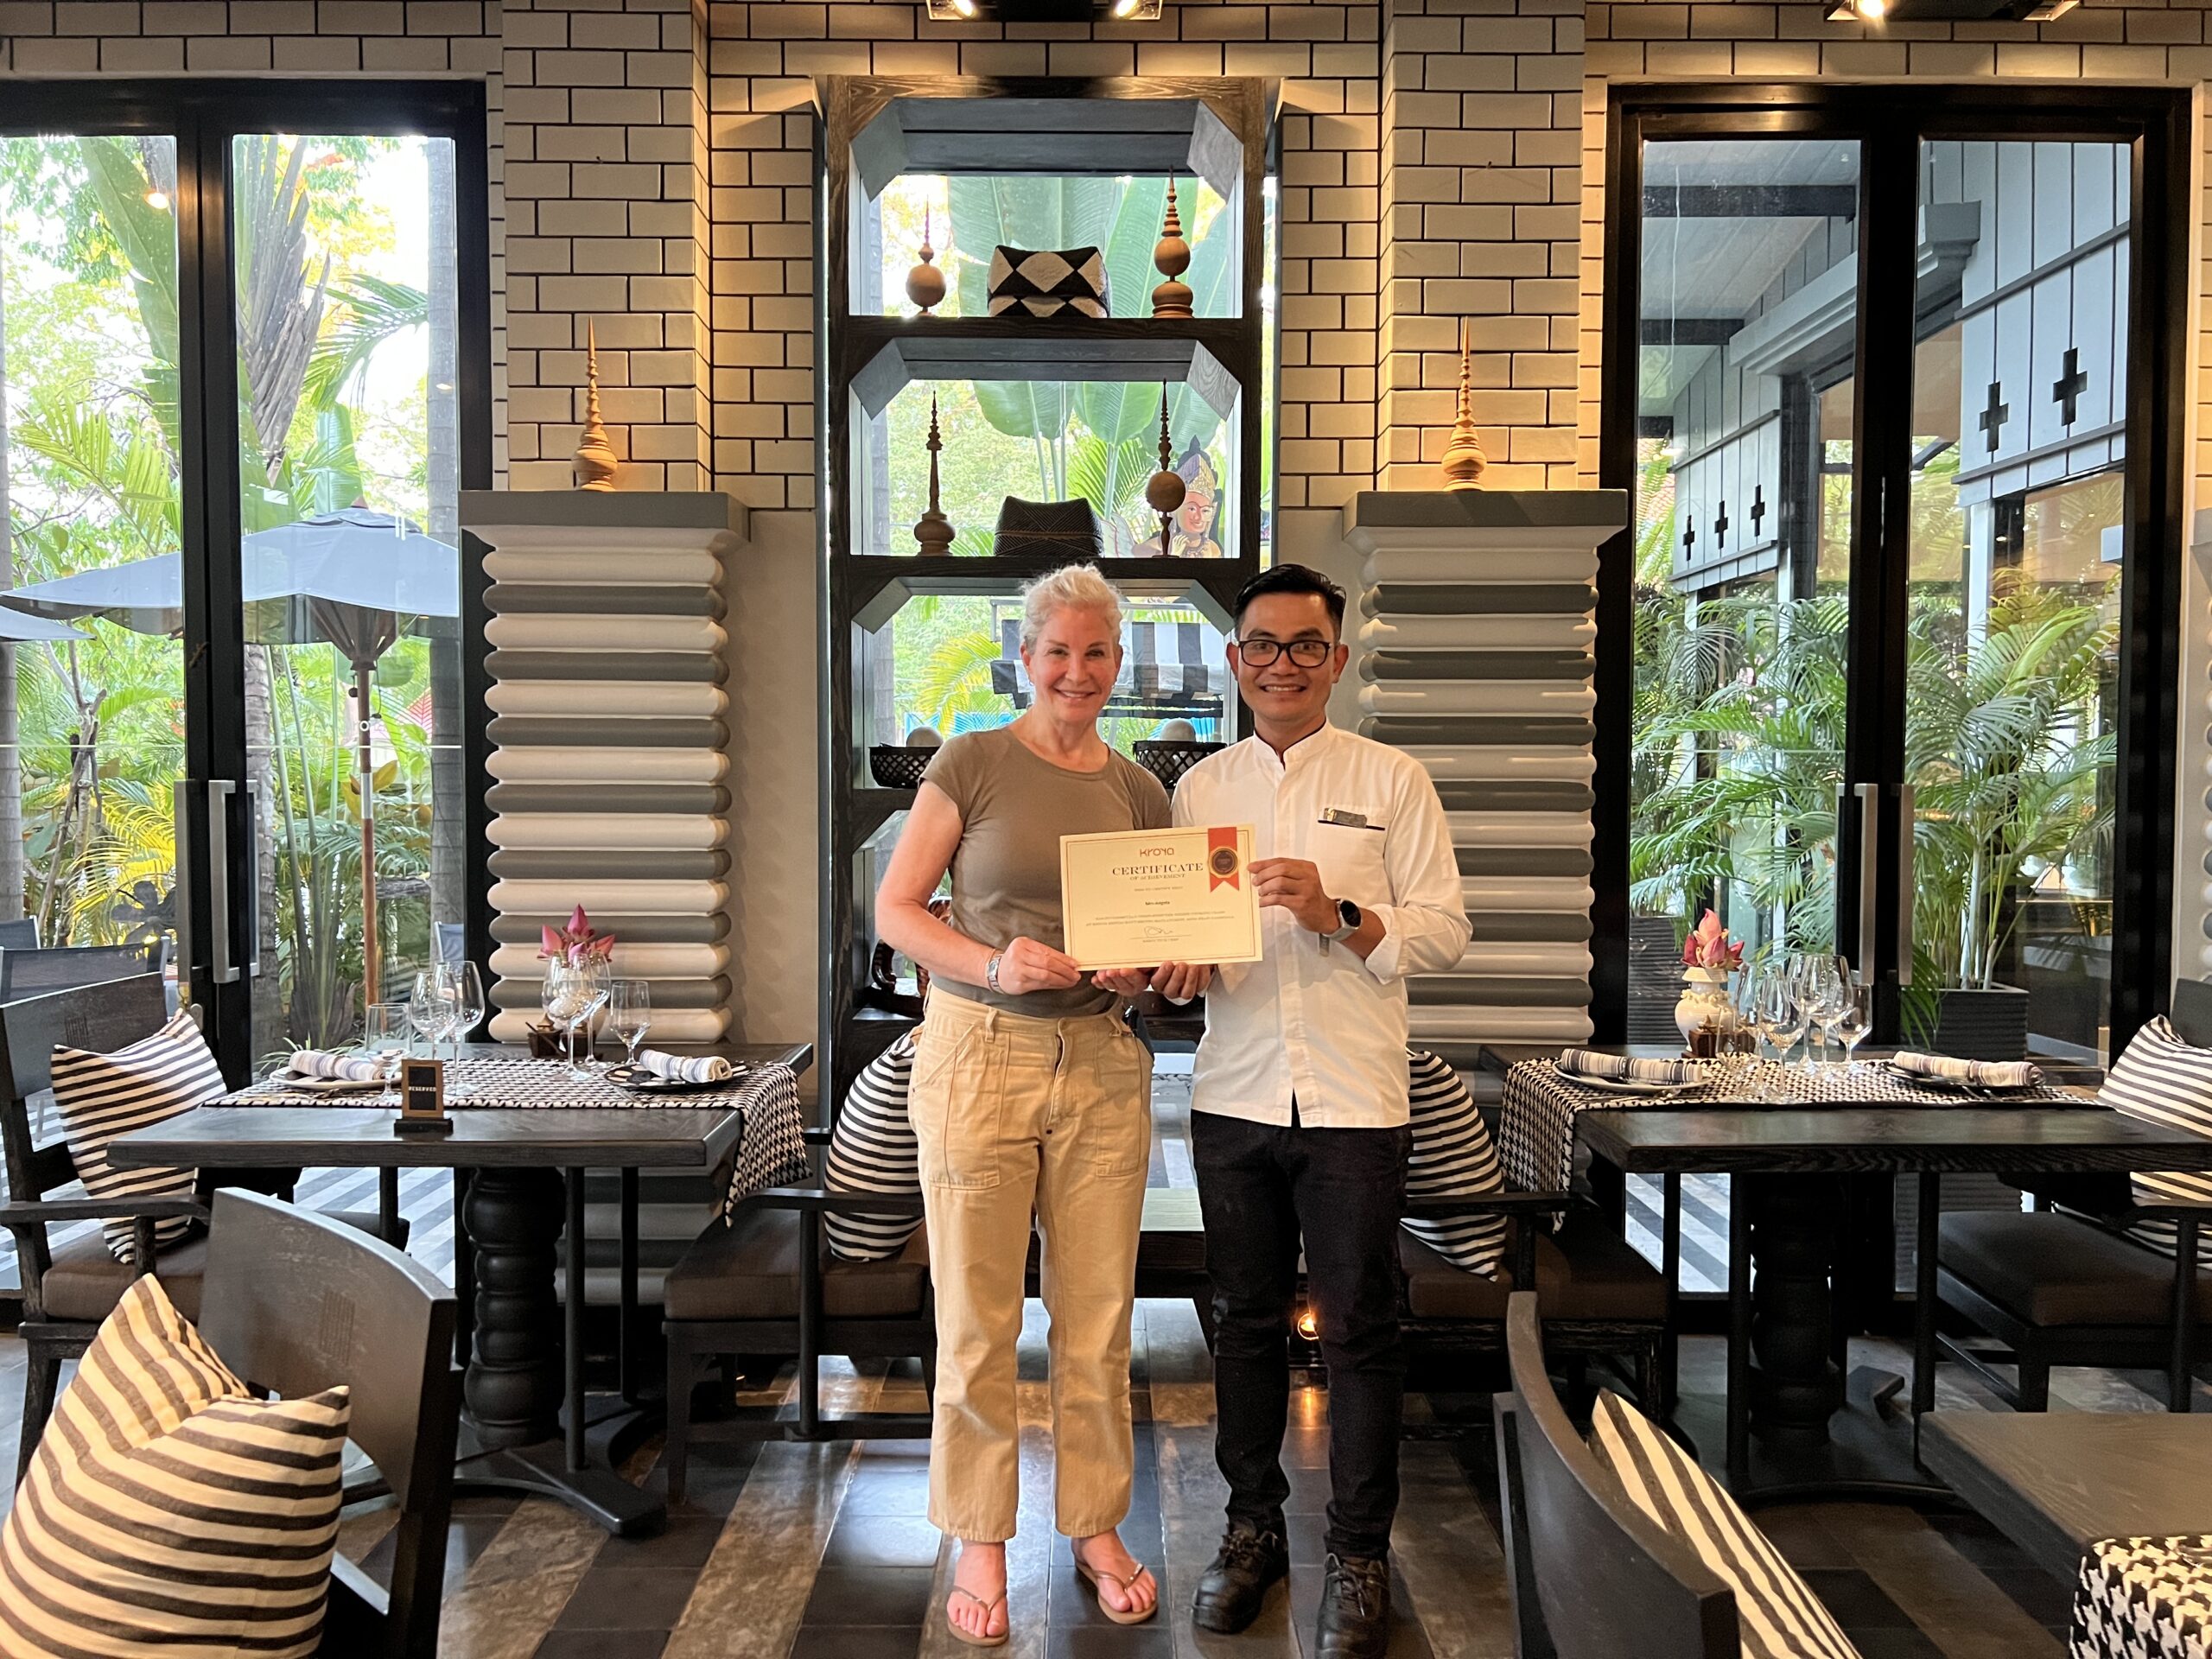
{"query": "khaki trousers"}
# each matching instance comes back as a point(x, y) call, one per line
point(1015, 1117)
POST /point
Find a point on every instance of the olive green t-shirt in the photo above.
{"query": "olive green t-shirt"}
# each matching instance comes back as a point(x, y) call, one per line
point(1014, 806)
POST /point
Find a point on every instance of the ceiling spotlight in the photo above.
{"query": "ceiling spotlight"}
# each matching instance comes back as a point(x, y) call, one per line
point(1859, 11)
point(951, 11)
point(1045, 11)
point(158, 200)
point(1136, 11)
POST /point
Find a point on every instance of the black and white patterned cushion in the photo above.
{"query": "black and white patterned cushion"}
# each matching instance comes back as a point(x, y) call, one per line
point(1452, 1158)
point(168, 1511)
point(2165, 1081)
point(2143, 1599)
point(101, 1096)
point(1046, 284)
point(1777, 1615)
point(872, 1150)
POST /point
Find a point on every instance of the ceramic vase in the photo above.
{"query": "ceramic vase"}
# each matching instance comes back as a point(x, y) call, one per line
point(1704, 1004)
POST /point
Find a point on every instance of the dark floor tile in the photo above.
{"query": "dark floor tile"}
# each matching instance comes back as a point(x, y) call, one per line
point(682, 1546)
point(902, 1491)
point(627, 1599)
point(1307, 1536)
point(856, 1642)
point(1906, 1643)
point(1140, 1536)
point(1855, 1599)
point(1976, 1539)
point(2043, 1597)
point(1309, 1491)
point(1075, 1603)
point(870, 1595)
point(607, 1645)
point(1408, 1640)
point(1110, 1642)
point(861, 1540)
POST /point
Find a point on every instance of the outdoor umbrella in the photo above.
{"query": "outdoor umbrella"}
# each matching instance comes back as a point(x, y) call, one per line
point(358, 571)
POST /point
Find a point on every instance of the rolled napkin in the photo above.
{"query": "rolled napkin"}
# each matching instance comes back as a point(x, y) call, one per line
point(345, 1068)
point(1983, 1074)
point(686, 1068)
point(1620, 1068)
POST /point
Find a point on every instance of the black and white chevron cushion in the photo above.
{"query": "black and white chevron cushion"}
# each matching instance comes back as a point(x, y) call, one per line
point(872, 1150)
point(104, 1096)
point(1452, 1158)
point(2165, 1081)
point(1045, 284)
point(1777, 1615)
point(168, 1511)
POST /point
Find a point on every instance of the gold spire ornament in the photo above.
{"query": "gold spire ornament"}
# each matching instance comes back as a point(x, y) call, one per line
point(933, 530)
point(1463, 459)
point(596, 465)
point(925, 283)
point(1165, 489)
point(1170, 257)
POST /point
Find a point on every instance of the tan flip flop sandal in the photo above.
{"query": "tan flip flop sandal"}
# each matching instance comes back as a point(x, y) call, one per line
point(1092, 1574)
point(989, 1607)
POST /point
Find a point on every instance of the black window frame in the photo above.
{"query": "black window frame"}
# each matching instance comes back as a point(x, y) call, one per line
point(1889, 121)
point(203, 115)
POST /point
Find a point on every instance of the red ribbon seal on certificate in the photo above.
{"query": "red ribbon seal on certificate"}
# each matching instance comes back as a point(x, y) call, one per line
point(1224, 863)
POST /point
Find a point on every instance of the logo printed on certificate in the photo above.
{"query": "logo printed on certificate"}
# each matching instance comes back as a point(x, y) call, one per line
point(1136, 898)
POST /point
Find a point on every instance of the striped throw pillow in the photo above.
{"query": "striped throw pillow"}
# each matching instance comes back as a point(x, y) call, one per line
point(1452, 1158)
point(104, 1096)
point(168, 1511)
point(1777, 1615)
point(2165, 1081)
point(872, 1150)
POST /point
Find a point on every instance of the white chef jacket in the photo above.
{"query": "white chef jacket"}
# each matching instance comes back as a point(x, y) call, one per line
point(1310, 1019)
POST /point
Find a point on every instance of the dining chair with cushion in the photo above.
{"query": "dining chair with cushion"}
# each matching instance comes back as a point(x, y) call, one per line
point(1621, 1544)
point(70, 1285)
point(57, 968)
point(2104, 1271)
point(767, 1283)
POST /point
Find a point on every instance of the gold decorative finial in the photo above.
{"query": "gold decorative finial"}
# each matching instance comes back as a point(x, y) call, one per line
point(933, 529)
point(595, 464)
point(1165, 489)
point(1170, 257)
point(925, 283)
point(1463, 459)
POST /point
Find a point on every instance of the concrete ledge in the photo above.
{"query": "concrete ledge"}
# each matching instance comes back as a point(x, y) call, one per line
point(584, 513)
point(1436, 517)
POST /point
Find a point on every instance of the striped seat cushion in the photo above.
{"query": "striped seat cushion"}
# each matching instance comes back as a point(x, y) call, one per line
point(168, 1511)
point(872, 1150)
point(1777, 1615)
point(101, 1096)
point(1452, 1158)
point(2165, 1081)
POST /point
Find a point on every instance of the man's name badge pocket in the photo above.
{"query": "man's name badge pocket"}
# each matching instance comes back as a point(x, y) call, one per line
point(1345, 819)
point(422, 1098)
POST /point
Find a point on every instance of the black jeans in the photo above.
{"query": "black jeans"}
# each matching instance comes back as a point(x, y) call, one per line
point(1260, 1187)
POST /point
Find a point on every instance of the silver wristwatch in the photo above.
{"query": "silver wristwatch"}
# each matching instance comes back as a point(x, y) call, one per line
point(991, 974)
point(1348, 914)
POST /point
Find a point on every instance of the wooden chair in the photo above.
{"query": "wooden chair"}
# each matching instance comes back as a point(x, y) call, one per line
point(69, 1291)
point(1589, 1574)
point(2070, 1288)
point(294, 1303)
point(766, 1284)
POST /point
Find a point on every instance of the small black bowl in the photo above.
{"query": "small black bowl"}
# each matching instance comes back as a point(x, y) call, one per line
point(896, 766)
point(1168, 759)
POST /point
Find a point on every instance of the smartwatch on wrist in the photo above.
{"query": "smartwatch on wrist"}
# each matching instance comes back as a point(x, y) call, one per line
point(1348, 914)
point(991, 974)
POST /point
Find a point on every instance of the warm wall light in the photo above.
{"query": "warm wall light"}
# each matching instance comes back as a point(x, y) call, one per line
point(951, 11)
point(1045, 11)
point(1309, 1325)
point(1136, 11)
point(1859, 11)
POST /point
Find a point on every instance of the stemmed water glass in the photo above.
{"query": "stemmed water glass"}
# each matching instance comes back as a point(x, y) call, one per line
point(630, 1014)
point(1827, 983)
point(1777, 1007)
point(385, 1036)
point(572, 994)
point(466, 989)
point(429, 1009)
point(1855, 1019)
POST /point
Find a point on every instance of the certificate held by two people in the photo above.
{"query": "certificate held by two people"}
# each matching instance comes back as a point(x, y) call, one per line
point(1138, 898)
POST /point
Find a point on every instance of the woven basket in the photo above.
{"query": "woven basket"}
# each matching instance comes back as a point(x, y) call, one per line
point(1168, 759)
point(895, 766)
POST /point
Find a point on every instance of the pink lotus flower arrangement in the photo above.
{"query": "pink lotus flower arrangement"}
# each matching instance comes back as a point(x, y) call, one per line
point(1708, 946)
point(577, 942)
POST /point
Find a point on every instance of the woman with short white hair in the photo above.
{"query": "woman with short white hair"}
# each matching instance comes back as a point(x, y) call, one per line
point(1030, 1094)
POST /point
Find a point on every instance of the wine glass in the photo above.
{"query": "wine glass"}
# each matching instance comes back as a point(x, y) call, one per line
point(467, 987)
point(430, 1007)
point(573, 992)
point(1778, 1008)
point(385, 1035)
point(1854, 1020)
point(630, 1013)
point(1826, 986)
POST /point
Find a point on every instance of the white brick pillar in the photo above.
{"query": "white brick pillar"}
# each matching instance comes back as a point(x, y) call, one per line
point(1474, 657)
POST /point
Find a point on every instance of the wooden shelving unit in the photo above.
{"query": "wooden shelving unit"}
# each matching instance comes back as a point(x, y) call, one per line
point(875, 129)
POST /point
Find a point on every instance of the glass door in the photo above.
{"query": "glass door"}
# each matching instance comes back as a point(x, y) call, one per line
point(1746, 329)
point(344, 269)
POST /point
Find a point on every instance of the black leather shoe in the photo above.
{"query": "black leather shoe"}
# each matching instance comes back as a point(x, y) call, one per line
point(1234, 1584)
point(1355, 1621)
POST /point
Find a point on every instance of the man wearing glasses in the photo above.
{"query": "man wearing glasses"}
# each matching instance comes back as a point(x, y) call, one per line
point(1299, 1106)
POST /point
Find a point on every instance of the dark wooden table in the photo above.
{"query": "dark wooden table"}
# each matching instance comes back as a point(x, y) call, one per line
point(524, 1379)
point(2056, 1482)
point(1789, 1166)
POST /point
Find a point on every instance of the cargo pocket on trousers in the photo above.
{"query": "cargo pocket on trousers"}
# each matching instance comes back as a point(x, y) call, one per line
point(956, 1107)
point(1120, 1138)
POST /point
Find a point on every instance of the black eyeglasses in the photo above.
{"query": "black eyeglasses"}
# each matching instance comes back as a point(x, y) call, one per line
point(1306, 653)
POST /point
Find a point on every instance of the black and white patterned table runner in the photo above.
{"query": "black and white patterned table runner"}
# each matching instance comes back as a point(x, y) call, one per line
point(1536, 1141)
point(2145, 1599)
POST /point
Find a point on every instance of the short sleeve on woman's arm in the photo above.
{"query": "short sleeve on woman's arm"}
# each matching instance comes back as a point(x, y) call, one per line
point(954, 769)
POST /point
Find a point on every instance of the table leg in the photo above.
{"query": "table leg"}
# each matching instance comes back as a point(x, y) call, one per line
point(626, 1340)
point(1740, 1335)
point(572, 1253)
point(513, 1384)
point(1670, 1256)
point(1924, 1306)
point(464, 1273)
point(1796, 1386)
